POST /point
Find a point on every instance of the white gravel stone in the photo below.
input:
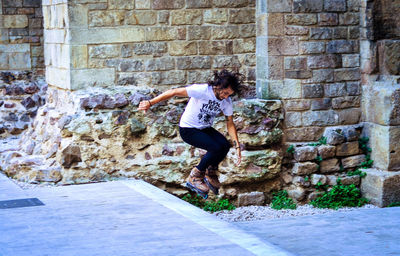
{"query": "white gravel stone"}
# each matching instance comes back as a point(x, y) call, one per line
point(250, 213)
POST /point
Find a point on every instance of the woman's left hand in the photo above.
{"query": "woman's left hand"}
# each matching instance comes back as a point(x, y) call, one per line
point(239, 156)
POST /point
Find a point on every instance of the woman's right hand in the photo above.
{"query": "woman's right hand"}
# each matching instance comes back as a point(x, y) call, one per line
point(144, 105)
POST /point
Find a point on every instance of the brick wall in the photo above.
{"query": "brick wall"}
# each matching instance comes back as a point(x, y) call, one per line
point(312, 63)
point(151, 43)
point(21, 35)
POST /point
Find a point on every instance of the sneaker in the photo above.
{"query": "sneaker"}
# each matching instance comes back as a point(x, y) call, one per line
point(195, 182)
point(211, 179)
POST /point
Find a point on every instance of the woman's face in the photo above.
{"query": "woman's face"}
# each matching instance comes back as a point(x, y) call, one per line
point(222, 94)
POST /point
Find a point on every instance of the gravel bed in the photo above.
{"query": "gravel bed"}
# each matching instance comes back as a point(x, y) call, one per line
point(250, 213)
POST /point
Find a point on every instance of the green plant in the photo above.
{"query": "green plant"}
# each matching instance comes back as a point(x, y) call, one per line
point(307, 178)
point(363, 145)
point(281, 201)
point(395, 204)
point(210, 206)
point(321, 141)
point(319, 186)
point(221, 204)
point(196, 200)
point(290, 149)
point(340, 196)
point(357, 172)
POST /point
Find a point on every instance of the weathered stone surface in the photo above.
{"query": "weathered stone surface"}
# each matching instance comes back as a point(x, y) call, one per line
point(197, 62)
point(168, 77)
point(301, 19)
point(350, 60)
point(70, 155)
point(335, 5)
point(293, 119)
point(307, 5)
point(381, 187)
point(318, 178)
point(320, 33)
point(199, 32)
point(313, 91)
point(212, 47)
point(230, 3)
point(150, 48)
point(335, 90)
point(348, 180)
point(225, 32)
point(215, 16)
point(346, 102)
point(347, 149)
point(306, 153)
point(353, 161)
point(321, 75)
point(304, 168)
point(389, 57)
point(183, 48)
point(349, 116)
point(334, 136)
point(319, 118)
point(226, 62)
point(385, 151)
point(304, 134)
point(106, 18)
point(331, 165)
point(15, 21)
point(104, 51)
point(242, 16)
point(295, 63)
point(140, 18)
point(279, 6)
point(296, 193)
point(198, 3)
point(297, 105)
point(274, 26)
point(296, 30)
point(186, 17)
point(341, 46)
point(328, 19)
point(252, 198)
point(300, 181)
point(324, 61)
point(168, 4)
point(158, 64)
point(311, 47)
point(321, 104)
point(326, 151)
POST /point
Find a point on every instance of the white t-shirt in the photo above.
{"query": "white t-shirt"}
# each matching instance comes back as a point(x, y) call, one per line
point(203, 107)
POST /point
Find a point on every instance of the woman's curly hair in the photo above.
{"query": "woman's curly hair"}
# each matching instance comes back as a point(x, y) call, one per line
point(224, 79)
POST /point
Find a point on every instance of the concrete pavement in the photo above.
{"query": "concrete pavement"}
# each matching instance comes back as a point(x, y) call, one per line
point(131, 217)
point(116, 218)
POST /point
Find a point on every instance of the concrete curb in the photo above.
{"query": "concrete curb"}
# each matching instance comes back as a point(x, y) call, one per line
point(208, 221)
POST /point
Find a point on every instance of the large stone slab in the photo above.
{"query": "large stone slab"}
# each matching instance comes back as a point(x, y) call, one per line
point(381, 187)
point(385, 147)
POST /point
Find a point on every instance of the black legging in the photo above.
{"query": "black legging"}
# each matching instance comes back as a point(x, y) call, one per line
point(209, 139)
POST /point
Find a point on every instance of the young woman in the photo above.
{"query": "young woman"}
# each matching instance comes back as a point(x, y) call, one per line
point(195, 127)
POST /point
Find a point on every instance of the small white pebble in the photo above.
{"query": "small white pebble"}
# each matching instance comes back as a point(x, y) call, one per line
point(249, 213)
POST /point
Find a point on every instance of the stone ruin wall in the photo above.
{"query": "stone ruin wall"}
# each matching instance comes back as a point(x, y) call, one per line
point(21, 52)
point(307, 54)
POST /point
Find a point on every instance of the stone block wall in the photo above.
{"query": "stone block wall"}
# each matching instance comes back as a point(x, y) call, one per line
point(21, 35)
point(308, 54)
point(21, 95)
point(147, 44)
point(100, 135)
point(312, 166)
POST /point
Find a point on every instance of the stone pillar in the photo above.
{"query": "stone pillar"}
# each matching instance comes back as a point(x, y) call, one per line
point(67, 36)
point(380, 68)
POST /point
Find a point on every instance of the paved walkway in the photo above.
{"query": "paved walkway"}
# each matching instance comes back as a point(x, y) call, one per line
point(116, 218)
point(134, 218)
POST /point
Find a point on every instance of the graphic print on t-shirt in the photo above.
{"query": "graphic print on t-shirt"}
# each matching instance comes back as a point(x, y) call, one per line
point(208, 111)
